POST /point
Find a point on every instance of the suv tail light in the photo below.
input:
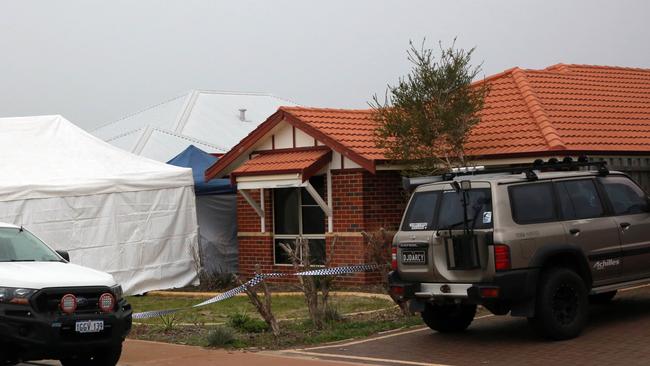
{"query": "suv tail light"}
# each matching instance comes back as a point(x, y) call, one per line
point(393, 258)
point(106, 302)
point(501, 257)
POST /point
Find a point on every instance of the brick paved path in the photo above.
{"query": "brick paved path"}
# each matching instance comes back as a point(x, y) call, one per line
point(618, 333)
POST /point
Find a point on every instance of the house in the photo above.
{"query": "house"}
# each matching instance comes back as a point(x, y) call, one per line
point(213, 121)
point(317, 172)
point(567, 110)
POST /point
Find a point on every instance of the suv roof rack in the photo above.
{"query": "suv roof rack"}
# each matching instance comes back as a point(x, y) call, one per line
point(553, 164)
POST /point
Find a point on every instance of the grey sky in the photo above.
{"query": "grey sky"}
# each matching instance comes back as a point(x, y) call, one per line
point(96, 61)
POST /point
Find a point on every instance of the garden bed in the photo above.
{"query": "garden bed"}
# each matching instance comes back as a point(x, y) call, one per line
point(234, 323)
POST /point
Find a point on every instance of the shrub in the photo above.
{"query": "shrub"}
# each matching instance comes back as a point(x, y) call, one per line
point(168, 322)
point(331, 314)
point(245, 323)
point(221, 336)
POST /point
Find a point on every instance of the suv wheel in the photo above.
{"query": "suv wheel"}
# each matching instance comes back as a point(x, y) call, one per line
point(604, 298)
point(103, 357)
point(562, 304)
point(448, 318)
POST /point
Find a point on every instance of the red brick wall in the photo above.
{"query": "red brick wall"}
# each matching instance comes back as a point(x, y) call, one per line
point(247, 218)
point(361, 201)
point(383, 200)
point(347, 200)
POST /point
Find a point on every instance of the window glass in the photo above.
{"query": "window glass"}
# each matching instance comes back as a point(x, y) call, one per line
point(313, 220)
point(20, 245)
point(419, 215)
point(532, 203)
point(317, 251)
point(313, 217)
point(479, 209)
point(318, 182)
point(281, 257)
point(285, 210)
point(296, 213)
point(583, 202)
point(625, 196)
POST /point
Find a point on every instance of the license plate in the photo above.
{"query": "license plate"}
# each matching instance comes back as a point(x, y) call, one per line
point(89, 326)
point(414, 257)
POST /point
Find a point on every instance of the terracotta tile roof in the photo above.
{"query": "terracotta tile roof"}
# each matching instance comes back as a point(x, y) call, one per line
point(352, 128)
point(568, 108)
point(577, 108)
point(305, 161)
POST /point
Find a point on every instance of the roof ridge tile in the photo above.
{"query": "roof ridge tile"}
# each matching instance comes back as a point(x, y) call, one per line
point(546, 128)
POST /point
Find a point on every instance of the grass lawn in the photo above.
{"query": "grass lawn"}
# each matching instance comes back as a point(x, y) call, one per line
point(284, 307)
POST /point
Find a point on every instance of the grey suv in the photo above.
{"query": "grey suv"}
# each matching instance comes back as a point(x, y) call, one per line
point(541, 241)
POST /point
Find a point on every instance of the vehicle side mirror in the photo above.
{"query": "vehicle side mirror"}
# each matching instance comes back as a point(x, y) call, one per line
point(65, 255)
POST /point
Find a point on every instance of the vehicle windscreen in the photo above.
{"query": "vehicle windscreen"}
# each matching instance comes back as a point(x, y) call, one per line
point(18, 245)
point(437, 210)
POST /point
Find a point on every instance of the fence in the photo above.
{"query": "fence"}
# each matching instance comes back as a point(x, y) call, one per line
point(636, 167)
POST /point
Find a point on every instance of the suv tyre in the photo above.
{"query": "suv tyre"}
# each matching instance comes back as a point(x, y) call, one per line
point(604, 298)
point(448, 318)
point(102, 357)
point(562, 304)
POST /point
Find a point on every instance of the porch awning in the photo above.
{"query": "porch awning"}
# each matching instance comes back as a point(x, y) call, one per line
point(281, 168)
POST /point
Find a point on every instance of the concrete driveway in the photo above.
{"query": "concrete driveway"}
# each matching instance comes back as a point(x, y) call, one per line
point(618, 333)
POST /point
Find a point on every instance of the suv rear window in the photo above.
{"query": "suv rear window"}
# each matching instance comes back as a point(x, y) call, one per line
point(479, 209)
point(532, 203)
point(421, 213)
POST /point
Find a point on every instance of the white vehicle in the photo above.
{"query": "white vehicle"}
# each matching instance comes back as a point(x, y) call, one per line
point(53, 309)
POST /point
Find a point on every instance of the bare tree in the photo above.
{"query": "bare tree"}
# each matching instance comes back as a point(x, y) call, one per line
point(378, 244)
point(263, 306)
point(301, 260)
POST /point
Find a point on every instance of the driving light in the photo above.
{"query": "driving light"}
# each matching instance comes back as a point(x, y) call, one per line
point(68, 303)
point(106, 302)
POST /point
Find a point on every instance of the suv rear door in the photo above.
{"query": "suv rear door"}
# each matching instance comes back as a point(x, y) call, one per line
point(426, 250)
point(630, 207)
point(589, 226)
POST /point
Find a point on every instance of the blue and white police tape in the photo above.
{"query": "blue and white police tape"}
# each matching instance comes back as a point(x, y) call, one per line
point(256, 280)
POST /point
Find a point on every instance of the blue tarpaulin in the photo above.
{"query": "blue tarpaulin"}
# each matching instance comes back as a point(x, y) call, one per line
point(199, 161)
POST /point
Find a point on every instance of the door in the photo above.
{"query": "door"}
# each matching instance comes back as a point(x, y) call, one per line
point(588, 226)
point(630, 205)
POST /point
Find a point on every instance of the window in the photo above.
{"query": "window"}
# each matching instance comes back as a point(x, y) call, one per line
point(479, 209)
point(18, 245)
point(419, 215)
point(295, 214)
point(579, 199)
point(532, 203)
point(626, 197)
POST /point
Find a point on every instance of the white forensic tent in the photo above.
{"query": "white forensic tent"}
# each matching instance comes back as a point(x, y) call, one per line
point(111, 210)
